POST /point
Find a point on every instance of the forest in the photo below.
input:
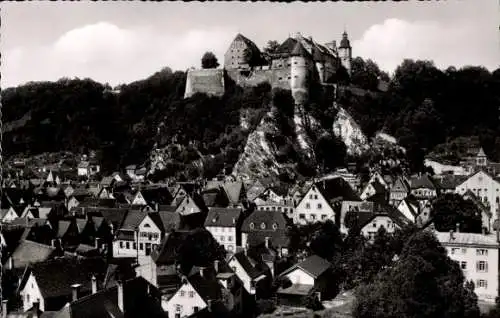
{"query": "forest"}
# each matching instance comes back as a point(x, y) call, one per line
point(424, 107)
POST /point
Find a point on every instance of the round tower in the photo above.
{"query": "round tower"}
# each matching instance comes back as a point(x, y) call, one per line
point(299, 73)
point(345, 52)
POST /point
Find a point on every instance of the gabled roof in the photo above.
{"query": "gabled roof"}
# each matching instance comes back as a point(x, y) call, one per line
point(132, 220)
point(168, 221)
point(223, 217)
point(287, 46)
point(62, 228)
point(299, 50)
point(169, 247)
point(400, 185)
point(208, 289)
point(423, 181)
point(31, 252)
point(337, 188)
point(248, 42)
point(313, 265)
point(477, 201)
point(251, 266)
point(234, 191)
point(55, 277)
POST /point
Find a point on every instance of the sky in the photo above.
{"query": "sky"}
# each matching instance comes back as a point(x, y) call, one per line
point(121, 42)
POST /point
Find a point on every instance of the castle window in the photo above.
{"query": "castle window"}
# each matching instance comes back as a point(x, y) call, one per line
point(289, 77)
point(295, 62)
point(281, 78)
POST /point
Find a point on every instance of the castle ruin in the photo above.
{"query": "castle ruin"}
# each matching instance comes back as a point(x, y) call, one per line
point(295, 64)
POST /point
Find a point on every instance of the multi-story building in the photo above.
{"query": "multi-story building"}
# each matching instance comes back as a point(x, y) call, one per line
point(477, 255)
point(224, 225)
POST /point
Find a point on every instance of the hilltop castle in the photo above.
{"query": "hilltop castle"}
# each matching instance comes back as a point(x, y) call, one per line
point(294, 65)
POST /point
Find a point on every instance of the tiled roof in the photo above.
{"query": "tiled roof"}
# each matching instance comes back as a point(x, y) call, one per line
point(159, 195)
point(337, 188)
point(467, 239)
point(55, 277)
point(299, 50)
point(169, 247)
point(423, 181)
point(287, 46)
point(314, 265)
point(31, 252)
point(62, 228)
point(269, 218)
point(166, 221)
point(234, 191)
point(296, 289)
point(207, 288)
point(132, 220)
point(224, 217)
point(249, 265)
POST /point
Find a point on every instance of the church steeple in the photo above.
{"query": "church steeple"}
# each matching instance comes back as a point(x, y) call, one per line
point(345, 43)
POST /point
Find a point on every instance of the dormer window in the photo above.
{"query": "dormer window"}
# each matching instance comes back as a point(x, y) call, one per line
point(275, 226)
point(252, 226)
point(263, 226)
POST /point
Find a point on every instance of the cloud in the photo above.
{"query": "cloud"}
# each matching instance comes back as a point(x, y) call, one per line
point(108, 53)
point(459, 45)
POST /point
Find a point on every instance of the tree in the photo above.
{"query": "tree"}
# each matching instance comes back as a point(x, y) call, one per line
point(424, 282)
point(252, 57)
point(326, 242)
point(209, 60)
point(271, 47)
point(330, 151)
point(312, 302)
point(451, 209)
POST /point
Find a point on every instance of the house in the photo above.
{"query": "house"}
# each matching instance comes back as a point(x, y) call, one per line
point(372, 189)
point(423, 187)
point(8, 215)
point(261, 226)
point(204, 289)
point(139, 234)
point(487, 217)
point(386, 216)
point(83, 168)
point(354, 207)
point(377, 177)
point(224, 225)
point(215, 197)
point(399, 191)
point(53, 283)
point(485, 187)
point(409, 209)
point(479, 161)
point(135, 297)
point(250, 271)
point(285, 207)
point(447, 183)
point(307, 276)
point(67, 233)
point(130, 170)
point(191, 204)
point(321, 198)
point(477, 255)
point(255, 190)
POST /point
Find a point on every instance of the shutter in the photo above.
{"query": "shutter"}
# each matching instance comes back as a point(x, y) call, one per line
point(477, 266)
point(485, 266)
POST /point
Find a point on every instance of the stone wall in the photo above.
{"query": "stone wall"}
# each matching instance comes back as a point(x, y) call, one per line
point(208, 81)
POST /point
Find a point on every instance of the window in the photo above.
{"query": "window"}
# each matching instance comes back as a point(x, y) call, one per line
point(178, 307)
point(263, 226)
point(141, 246)
point(310, 196)
point(27, 298)
point(464, 251)
point(127, 245)
point(229, 238)
point(183, 293)
point(252, 225)
point(230, 248)
point(121, 244)
point(481, 283)
point(135, 246)
point(454, 250)
point(323, 216)
point(316, 197)
point(482, 266)
point(302, 216)
point(147, 225)
point(313, 217)
point(463, 265)
point(191, 294)
point(222, 238)
point(275, 226)
point(308, 205)
point(319, 206)
point(195, 309)
point(482, 252)
point(374, 224)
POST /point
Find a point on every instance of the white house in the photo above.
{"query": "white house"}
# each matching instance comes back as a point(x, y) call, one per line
point(222, 223)
point(410, 210)
point(140, 233)
point(31, 293)
point(185, 302)
point(247, 271)
point(477, 255)
point(485, 187)
point(139, 199)
point(313, 207)
point(189, 206)
point(370, 229)
point(8, 215)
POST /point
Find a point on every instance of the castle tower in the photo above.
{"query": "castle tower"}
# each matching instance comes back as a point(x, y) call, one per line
point(345, 52)
point(319, 62)
point(299, 73)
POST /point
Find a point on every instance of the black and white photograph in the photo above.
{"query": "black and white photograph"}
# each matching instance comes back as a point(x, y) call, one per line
point(170, 159)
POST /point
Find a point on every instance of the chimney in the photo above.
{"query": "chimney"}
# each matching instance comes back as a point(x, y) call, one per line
point(457, 226)
point(97, 242)
point(318, 295)
point(36, 308)
point(94, 284)
point(53, 243)
point(245, 249)
point(119, 284)
point(234, 220)
point(11, 262)
point(210, 305)
point(452, 237)
point(157, 207)
point(216, 266)
point(4, 308)
point(75, 288)
point(267, 242)
point(202, 271)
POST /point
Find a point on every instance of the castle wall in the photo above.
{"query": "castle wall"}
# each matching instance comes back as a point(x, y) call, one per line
point(276, 77)
point(234, 56)
point(208, 81)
